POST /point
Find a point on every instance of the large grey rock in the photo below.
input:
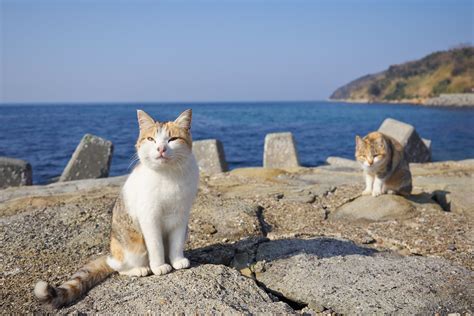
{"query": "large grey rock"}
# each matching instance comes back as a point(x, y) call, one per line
point(380, 208)
point(280, 151)
point(206, 289)
point(415, 149)
point(217, 218)
point(210, 156)
point(456, 199)
point(336, 274)
point(14, 172)
point(90, 160)
point(59, 188)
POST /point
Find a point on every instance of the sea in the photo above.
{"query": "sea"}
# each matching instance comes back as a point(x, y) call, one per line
point(46, 135)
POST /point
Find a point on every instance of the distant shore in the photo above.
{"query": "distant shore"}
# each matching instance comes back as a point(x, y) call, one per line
point(463, 100)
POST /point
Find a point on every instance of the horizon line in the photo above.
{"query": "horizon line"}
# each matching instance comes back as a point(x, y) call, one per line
point(150, 102)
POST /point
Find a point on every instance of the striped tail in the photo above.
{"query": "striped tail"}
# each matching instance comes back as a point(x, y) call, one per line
point(82, 281)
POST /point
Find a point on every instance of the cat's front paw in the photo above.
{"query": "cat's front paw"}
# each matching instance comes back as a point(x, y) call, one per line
point(367, 192)
point(376, 193)
point(160, 270)
point(182, 263)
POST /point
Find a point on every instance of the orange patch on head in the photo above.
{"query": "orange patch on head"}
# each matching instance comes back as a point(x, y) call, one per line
point(179, 128)
point(371, 145)
point(182, 134)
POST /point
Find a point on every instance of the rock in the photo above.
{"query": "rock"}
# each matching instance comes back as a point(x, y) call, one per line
point(450, 183)
point(280, 151)
point(90, 160)
point(210, 156)
point(213, 219)
point(239, 220)
point(326, 273)
point(60, 188)
point(380, 208)
point(456, 198)
point(407, 136)
point(205, 289)
point(320, 247)
point(258, 173)
point(343, 162)
point(14, 172)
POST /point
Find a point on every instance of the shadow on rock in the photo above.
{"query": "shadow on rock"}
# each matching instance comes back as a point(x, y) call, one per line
point(321, 247)
point(437, 197)
point(250, 250)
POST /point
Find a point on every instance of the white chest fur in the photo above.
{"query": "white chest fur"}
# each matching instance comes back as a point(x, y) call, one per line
point(166, 195)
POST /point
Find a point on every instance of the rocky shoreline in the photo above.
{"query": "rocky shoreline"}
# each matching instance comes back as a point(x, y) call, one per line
point(459, 100)
point(261, 240)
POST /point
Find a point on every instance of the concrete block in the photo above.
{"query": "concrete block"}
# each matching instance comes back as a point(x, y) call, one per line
point(280, 151)
point(427, 143)
point(405, 134)
point(14, 172)
point(210, 156)
point(90, 160)
point(343, 162)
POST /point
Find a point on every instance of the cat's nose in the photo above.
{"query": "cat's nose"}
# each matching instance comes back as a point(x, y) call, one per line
point(162, 149)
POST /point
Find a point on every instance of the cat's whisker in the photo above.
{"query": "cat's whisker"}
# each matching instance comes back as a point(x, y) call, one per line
point(133, 160)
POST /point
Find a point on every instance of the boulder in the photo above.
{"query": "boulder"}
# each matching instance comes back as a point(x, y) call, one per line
point(337, 275)
point(415, 149)
point(206, 289)
point(380, 208)
point(343, 163)
point(280, 151)
point(456, 198)
point(217, 218)
point(14, 172)
point(210, 156)
point(90, 160)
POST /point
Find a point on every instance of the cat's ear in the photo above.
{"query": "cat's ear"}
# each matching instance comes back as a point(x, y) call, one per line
point(359, 142)
point(144, 120)
point(184, 119)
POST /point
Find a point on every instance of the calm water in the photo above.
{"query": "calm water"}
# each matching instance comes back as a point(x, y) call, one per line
point(46, 135)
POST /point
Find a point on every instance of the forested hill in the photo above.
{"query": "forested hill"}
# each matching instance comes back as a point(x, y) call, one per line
point(442, 72)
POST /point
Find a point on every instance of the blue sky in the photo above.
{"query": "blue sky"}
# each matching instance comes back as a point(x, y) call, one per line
point(132, 51)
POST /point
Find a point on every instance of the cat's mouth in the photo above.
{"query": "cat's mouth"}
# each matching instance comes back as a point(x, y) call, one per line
point(161, 158)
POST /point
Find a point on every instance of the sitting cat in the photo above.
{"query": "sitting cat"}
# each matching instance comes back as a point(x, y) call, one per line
point(150, 216)
point(385, 166)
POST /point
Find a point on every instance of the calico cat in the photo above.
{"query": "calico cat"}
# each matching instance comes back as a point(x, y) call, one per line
point(150, 217)
point(385, 166)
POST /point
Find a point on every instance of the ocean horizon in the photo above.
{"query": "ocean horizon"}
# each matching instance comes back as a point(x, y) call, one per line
point(46, 134)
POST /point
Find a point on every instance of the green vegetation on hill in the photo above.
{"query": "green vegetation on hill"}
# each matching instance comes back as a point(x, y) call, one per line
point(440, 72)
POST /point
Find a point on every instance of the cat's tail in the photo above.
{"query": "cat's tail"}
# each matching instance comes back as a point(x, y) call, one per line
point(83, 280)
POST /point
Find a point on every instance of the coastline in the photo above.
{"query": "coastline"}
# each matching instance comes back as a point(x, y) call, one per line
point(465, 100)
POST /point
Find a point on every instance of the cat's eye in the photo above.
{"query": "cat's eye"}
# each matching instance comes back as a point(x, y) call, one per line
point(172, 139)
point(151, 139)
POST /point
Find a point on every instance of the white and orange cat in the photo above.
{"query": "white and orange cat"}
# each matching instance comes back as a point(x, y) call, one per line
point(385, 166)
point(150, 217)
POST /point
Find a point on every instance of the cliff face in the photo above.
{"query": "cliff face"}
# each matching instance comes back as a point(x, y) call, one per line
point(440, 72)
